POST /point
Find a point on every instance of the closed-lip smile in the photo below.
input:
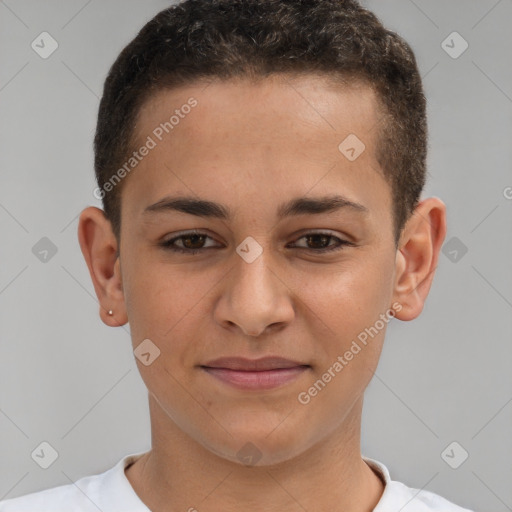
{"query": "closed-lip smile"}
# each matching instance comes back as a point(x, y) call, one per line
point(257, 374)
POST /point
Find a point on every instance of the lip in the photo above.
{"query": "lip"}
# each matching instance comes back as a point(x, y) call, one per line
point(263, 373)
point(253, 365)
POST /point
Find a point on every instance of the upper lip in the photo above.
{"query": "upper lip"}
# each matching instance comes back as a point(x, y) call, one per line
point(243, 364)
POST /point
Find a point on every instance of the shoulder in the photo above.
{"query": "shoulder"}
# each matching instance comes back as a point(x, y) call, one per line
point(408, 499)
point(397, 496)
point(57, 499)
point(107, 491)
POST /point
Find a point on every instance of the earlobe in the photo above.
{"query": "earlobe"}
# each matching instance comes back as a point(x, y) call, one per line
point(417, 256)
point(99, 248)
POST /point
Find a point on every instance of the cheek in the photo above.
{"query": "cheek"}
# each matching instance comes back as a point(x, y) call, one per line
point(349, 336)
point(158, 295)
point(349, 299)
point(348, 351)
point(170, 306)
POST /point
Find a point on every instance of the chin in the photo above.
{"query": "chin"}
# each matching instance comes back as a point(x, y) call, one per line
point(260, 447)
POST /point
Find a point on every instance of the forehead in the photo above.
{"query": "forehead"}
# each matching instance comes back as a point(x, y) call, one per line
point(284, 134)
point(318, 102)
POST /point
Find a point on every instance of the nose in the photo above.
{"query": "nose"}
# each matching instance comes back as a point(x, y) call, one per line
point(255, 298)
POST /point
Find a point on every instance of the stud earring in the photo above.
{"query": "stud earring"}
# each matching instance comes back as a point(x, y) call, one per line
point(110, 312)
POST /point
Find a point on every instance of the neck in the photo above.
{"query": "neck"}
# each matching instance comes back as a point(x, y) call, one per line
point(178, 473)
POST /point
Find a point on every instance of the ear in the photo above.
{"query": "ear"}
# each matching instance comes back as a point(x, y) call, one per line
point(100, 250)
point(417, 256)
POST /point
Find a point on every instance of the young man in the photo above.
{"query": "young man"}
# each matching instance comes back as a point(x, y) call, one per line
point(260, 165)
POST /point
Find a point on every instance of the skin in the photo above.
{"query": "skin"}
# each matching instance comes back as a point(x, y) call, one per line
point(252, 146)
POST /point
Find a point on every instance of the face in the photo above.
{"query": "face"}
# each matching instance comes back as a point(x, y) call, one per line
point(292, 257)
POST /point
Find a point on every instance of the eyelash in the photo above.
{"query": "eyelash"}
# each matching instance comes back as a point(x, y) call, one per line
point(168, 244)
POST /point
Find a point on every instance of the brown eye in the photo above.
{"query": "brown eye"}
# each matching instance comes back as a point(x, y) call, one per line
point(190, 243)
point(320, 242)
point(193, 241)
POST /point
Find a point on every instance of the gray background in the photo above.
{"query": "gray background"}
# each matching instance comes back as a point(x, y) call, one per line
point(68, 379)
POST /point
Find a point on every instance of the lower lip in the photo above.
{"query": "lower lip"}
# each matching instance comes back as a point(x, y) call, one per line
point(267, 379)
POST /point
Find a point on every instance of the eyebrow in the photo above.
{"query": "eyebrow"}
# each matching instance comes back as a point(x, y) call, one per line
point(294, 207)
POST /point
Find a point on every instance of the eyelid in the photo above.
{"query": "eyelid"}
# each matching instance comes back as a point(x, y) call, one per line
point(340, 244)
point(305, 232)
point(184, 234)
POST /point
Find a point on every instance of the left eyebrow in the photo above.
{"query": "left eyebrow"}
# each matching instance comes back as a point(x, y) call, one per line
point(318, 205)
point(297, 206)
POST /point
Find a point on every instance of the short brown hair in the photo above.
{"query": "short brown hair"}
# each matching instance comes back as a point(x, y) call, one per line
point(198, 39)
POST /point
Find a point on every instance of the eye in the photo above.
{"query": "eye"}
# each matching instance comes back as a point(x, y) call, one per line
point(192, 242)
point(322, 239)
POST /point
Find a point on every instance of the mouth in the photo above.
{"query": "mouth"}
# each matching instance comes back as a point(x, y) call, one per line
point(255, 374)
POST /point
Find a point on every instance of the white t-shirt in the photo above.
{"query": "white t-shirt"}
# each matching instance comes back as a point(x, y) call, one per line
point(111, 491)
